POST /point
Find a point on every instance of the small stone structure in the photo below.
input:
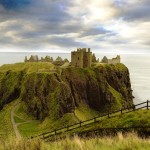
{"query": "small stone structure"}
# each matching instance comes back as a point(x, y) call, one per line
point(81, 58)
point(111, 61)
point(34, 58)
point(58, 62)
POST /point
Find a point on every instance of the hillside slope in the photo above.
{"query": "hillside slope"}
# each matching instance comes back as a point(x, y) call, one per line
point(52, 92)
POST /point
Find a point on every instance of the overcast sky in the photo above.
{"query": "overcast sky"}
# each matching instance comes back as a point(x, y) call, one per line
point(113, 26)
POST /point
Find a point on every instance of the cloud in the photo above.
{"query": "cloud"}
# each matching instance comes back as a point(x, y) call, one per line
point(61, 25)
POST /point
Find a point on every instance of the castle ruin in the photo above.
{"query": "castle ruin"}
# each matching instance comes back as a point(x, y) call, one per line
point(81, 58)
point(111, 61)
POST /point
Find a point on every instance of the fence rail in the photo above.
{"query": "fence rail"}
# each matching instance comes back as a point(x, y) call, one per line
point(143, 131)
point(93, 120)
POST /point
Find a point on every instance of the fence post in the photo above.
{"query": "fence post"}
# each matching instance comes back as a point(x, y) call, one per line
point(55, 131)
point(147, 104)
point(121, 110)
point(67, 128)
point(80, 123)
point(94, 119)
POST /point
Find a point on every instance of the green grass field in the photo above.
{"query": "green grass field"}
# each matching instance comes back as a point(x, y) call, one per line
point(18, 120)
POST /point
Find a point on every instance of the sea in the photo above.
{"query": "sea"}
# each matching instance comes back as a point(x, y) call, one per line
point(138, 65)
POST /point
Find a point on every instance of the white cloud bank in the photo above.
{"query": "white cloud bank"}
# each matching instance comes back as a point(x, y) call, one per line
point(119, 26)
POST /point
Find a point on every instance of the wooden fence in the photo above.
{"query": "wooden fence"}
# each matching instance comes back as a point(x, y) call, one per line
point(94, 120)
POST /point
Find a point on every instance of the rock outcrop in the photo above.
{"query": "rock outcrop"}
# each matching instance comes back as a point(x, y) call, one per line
point(103, 88)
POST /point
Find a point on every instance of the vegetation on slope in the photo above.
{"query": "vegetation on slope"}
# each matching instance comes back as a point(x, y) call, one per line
point(132, 119)
point(120, 142)
point(52, 100)
point(6, 129)
point(28, 67)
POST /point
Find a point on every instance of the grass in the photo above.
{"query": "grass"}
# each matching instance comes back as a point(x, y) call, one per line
point(6, 128)
point(84, 112)
point(137, 118)
point(81, 113)
point(36, 127)
point(121, 142)
point(29, 129)
point(29, 67)
point(21, 112)
point(118, 98)
point(18, 120)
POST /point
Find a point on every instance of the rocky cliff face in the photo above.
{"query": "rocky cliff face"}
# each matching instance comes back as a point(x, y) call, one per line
point(102, 88)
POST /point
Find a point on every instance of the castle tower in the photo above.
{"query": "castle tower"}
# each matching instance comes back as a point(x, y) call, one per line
point(81, 58)
point(87, 59)
point(77, 58)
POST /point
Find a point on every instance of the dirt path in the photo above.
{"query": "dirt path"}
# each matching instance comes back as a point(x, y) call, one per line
point(18, 136)
point(15, 125)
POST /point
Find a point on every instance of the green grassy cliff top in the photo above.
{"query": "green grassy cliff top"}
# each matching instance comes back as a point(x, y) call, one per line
point(29, 67)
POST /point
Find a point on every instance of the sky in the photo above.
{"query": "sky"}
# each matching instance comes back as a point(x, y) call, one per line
point(105, 26)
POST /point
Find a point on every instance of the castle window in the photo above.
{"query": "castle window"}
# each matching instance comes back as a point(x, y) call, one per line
point(78, 58)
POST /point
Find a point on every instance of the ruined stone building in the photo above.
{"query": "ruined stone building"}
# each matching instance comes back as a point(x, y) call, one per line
point(33, 58)
point(111, 61)
point(81, 58)
point(58, 62)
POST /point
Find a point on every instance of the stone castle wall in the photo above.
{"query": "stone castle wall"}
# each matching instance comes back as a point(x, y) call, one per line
point(77, 59)
point(81, 58)
point(113, 61)
point(87, 61)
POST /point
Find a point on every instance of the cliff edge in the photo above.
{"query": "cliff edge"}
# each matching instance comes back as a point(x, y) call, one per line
point(49, 91)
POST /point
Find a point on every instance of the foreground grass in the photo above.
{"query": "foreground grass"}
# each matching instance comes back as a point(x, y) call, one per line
point(129, 142)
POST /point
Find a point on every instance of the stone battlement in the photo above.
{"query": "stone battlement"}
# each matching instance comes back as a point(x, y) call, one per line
point(81, 58)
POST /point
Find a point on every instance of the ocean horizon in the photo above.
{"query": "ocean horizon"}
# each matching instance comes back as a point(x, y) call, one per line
point(138, 65)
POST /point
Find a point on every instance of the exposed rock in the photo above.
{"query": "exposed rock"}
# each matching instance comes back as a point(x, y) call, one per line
point(103, 88)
